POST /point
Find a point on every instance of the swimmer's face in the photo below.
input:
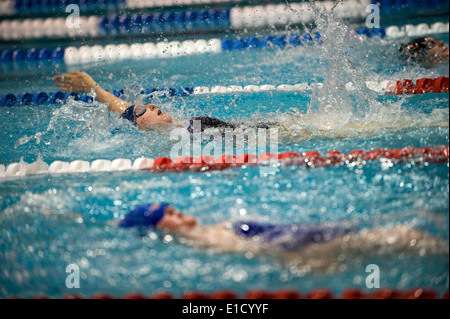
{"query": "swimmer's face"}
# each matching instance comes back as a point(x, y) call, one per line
point(437, 51)
point(174, 221)
point(151, 116)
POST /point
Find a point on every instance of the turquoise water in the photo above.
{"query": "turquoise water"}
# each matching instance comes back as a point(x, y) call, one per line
point(48, 222)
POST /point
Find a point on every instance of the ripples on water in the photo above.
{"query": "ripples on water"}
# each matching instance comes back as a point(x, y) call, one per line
point(51, 221)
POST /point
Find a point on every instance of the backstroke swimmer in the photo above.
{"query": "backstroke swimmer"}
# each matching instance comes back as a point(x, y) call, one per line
point(427, 52)
point(144, 116)
point(308, 244)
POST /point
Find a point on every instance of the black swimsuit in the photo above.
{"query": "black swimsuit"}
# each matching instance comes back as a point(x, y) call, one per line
point(208, 122)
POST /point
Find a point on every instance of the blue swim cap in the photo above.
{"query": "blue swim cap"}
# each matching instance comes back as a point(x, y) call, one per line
point(144, 216)
point(129, 114)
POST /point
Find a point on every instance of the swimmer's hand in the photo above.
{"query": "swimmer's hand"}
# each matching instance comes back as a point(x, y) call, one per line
point(75, 81)
point(81, 82)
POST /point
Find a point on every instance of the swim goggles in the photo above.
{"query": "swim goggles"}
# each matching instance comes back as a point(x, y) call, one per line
point(139, 111)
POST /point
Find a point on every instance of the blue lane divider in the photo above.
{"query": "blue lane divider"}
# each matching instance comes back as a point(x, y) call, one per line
point(43, 98)
point(41, 6)
point(380, 32)
point(57, 55)
point(47, 6)
point(176, 21)
point(392, 7)
point(283, 40)
point(269, 41)
point(32, 55)
point(8, 99)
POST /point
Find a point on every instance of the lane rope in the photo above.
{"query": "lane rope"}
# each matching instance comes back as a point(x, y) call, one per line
point(109, 53)
point(234, 18)
point(14, 7)
point(312, 159)
point(388, 87)
point(321, 293)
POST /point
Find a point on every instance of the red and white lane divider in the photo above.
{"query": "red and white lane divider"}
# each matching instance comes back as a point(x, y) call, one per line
point(437, 154)
point(321, 293)
point(309, 159)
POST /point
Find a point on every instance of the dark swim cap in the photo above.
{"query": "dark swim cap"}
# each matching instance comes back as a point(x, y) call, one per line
point(415, 50)
point(207, 122)
point(144, 216)
point(129, 114)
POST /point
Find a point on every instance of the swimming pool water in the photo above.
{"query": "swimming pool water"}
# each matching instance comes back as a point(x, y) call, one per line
point(48, 221)
point(40, 238)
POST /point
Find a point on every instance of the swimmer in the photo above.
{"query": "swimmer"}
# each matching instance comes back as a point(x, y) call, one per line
point(294, 242)
point(144, 116)
point(427, 52)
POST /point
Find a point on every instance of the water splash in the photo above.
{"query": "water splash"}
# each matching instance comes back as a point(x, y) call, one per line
point(333, 97)
point(334, 111)
point(70, 111)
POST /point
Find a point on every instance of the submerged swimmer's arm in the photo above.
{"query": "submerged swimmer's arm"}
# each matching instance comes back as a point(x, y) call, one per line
point(81, 82)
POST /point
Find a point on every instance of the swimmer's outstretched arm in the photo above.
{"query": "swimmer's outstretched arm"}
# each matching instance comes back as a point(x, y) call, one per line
point(81, 82)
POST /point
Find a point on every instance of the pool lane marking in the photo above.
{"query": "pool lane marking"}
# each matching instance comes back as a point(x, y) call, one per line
point(387, 87)
point(138, 51)
point(312, 159)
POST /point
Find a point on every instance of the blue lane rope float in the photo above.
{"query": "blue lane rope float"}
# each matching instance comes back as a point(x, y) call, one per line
point(50, 6)
point(32, 54)
point(41, 98)
point(177, 21)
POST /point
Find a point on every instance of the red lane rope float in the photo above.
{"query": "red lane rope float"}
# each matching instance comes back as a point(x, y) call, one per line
point(423, 86)
point(437, 154)
point(321, 293)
